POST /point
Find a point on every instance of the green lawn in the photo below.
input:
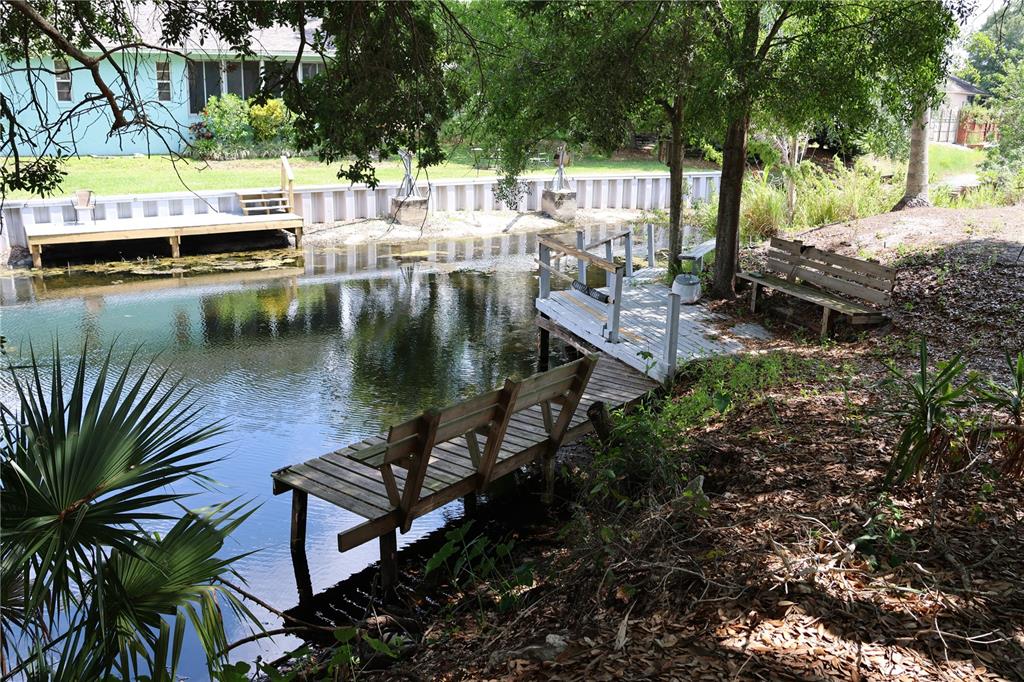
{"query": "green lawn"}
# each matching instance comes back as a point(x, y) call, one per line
point(946, 160)
point(136, 175)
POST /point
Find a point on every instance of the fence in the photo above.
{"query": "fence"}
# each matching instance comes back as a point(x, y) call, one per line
point(338, 203)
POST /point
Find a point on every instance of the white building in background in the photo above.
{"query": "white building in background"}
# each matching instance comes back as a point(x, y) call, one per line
point(946, 116)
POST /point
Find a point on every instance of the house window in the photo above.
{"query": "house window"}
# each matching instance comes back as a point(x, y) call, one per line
point(243, 78)
point(203, 83)
point(62, 75)
point(275, 75)
point(163, 81)
point(311, 69)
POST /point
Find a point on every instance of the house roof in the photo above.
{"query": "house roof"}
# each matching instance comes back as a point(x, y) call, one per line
point(276, 41)
point(965, 86)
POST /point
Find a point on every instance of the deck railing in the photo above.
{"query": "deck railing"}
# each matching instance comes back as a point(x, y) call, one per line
point(288, 182)
point(616, 273)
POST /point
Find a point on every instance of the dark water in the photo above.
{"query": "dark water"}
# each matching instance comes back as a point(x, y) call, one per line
point(300, 364)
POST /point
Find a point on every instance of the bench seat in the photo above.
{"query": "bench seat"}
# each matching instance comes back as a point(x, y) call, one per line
point(859, 289)
point(696, 255)
point(860, 313)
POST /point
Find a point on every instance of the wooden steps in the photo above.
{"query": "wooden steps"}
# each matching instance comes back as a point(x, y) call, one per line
point(264, 203)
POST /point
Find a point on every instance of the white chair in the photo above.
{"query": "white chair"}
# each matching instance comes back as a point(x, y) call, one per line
point(84, 203)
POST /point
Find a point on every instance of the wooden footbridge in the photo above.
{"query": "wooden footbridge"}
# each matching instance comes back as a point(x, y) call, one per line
point(441, 455)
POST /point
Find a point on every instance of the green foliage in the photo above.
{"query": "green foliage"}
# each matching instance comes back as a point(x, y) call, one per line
point(884, 543)
point(1006, 160)
point(926, 405)
point(822, 197)
point(647, 459)
point(997, 44)
point(484, 566)
point(344, 661)
point(227, 117)
point(270, 121)
point(763, 208)
point(232, 127)
point(84, 471)
point(940, 425)
point(1008, 399)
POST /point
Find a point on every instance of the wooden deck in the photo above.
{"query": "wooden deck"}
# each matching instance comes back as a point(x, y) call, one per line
point(173, 228)
point(354, 477)
point(642, 326)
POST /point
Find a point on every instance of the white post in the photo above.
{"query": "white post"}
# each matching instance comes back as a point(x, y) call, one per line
point(544, 253)
point(629, 253)
point(328, 206)
point(609, 277)
point(672, 336)
point(650, 244)
point(615, 307)
point(581, 264)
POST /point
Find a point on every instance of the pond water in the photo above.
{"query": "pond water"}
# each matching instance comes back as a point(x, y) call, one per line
point(299, 361)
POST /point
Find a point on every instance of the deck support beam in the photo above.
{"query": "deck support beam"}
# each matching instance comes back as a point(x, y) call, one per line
point(389, 560)
point(175, 241)
point(37, 255)
point(300, 502)
point(298, 237)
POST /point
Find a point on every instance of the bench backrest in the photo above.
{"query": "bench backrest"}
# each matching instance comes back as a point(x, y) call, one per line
point(838, 274)
point(410, 443)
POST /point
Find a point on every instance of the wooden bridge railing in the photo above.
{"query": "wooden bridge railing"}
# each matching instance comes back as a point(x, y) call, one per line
point(615, 275)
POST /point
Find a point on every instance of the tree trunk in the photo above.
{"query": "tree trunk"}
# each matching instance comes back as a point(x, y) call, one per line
point(916, 194)
point(727, 229)
point(675, 169)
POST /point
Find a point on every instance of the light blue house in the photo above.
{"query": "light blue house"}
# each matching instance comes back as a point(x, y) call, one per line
point(173, 89)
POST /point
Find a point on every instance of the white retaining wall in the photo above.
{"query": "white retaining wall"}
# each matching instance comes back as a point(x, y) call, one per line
point(336, 203)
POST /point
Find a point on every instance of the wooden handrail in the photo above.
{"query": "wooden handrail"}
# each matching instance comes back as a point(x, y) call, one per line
point(617, 235)
point(288, 181)
point(596, 261)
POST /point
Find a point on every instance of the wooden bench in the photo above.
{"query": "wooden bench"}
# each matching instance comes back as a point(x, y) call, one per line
point(439, 456)
point(856, 288)
point(696, 255)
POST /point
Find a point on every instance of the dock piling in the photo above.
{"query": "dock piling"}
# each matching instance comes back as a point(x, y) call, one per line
point(389, 560)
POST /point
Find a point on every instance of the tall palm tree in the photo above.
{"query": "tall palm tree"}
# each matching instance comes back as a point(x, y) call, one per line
point(89, 591)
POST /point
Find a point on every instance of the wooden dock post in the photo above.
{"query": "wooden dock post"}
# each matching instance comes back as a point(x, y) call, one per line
point(650, 245)
point(581, 265)
point(300, 501)
point(615, 306)
point(629, 254)
point(389, 560)
point(543, 348)
point(175, 246)
point(609, 277)
point(672, 336)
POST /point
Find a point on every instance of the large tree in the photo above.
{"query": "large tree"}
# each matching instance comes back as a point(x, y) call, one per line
point(585, 72)
point(385, 84)
point(799, 61)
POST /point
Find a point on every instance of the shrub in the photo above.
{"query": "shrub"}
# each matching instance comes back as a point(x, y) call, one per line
point(227, 117)
point(270, 121)
point(932, 435)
